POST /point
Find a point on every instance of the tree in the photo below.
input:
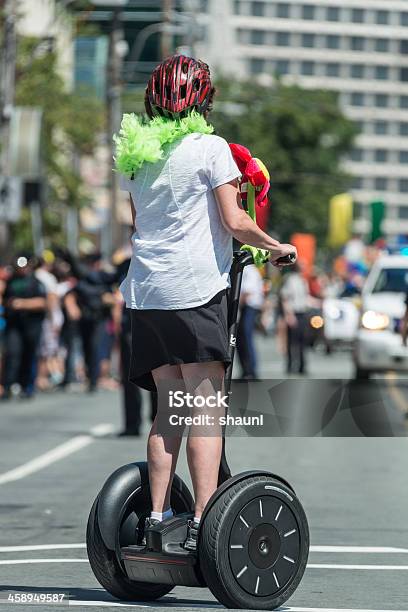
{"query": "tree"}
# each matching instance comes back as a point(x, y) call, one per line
point(301, 136)
point(72, 122)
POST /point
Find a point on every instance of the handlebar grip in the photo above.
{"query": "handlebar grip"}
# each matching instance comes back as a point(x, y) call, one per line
point(287, 259)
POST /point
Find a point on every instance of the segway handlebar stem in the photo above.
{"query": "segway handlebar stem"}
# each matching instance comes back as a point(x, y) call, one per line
point(241, 259)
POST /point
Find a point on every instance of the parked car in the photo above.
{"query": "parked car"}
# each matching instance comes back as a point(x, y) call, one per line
point(378, 345)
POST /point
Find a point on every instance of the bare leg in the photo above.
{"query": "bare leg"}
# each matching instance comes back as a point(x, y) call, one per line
point(162, 452)
point(204, 445)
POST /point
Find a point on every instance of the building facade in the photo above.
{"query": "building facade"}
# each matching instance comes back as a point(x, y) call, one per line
point(358, 48)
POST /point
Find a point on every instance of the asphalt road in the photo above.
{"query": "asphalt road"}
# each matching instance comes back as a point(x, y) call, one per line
point(56, 452)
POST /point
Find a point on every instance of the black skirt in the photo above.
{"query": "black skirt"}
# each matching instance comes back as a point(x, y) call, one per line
point(187, 335)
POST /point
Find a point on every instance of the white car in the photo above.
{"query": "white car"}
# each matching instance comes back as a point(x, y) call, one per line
point(341, 318)
point(378, 345)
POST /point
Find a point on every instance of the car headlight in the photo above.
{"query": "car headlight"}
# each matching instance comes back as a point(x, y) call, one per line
point(375, 321)
point(334, 312)
point(317, 322)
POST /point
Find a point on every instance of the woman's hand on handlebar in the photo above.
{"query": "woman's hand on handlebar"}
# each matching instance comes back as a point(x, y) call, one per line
point(284, 255)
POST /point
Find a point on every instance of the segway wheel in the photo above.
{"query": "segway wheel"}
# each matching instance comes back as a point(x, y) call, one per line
point(254, 544)
point(106, 564)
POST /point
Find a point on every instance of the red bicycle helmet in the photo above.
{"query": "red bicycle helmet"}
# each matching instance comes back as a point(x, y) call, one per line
point(177, 85)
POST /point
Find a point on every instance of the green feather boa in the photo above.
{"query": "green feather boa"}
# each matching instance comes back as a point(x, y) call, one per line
point(139, 142)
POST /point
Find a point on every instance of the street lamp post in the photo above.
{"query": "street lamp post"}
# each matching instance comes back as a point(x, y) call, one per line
point(166, 40)
point(110, 234)
point(7, 89)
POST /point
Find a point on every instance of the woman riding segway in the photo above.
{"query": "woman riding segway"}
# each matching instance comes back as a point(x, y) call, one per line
point(186, 208)
point(144, 527)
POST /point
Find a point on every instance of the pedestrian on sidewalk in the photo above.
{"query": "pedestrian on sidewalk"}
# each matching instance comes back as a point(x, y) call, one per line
point(252, 300)
point(25, 306)
point(295, 302)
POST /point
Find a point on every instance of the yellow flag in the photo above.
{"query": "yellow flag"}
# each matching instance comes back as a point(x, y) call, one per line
point(340, 219)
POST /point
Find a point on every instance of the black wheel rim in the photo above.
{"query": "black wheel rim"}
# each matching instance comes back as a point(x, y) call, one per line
point(264, 546)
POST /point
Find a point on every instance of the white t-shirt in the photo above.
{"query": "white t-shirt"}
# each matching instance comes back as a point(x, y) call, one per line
point(252, 285)
point(181, 252)
point(296, 291)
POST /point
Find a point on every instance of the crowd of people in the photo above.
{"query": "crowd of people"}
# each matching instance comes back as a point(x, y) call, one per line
point(63, 323)
point(61, 320)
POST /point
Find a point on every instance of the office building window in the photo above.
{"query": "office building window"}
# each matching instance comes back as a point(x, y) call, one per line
point(404, 19)
point(403, 185)
point(356, 155)
point(333, 41)
point(357, 71)
point(381, 100)
point(382, 17)
point(333, 70)
point(381, 156)
point(308, 40)
point(381, 72)
point(404, 47)
point(256, 65)
point(307, 68)
point(282, 67)
point(403, 212)
point(381, 183)
point(258, 9)
point(359, 125)
point(403, 101)
point(357, 43)
point(403, 128)
point(357, 182)
point(333, 13)
point(357, 99)
point(382, 45)
point(308, 11)
point(258, 37)
point(404, 74)
point(283, 39)
point(403, 157)
point(283, 11)
point(357, 15)
point(381, 128)
point(241, 36)
point(237, 7)
point(357, 210)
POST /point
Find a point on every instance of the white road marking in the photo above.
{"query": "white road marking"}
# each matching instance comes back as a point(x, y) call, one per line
point(102, 429)
point(309, 565)
point(296, 609)
point(402, 568)
point(59, 452)
point(41, 547)
point(130, 604)
point(25, 561)
point(359, 549)
point(317, 549)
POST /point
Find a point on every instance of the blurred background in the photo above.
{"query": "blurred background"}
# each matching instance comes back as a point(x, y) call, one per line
point(317, 90)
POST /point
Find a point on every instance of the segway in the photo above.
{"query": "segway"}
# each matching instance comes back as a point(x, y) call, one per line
point(253, 541)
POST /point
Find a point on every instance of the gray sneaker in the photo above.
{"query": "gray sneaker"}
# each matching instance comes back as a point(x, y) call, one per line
point(192, 536)
point(149, 522)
